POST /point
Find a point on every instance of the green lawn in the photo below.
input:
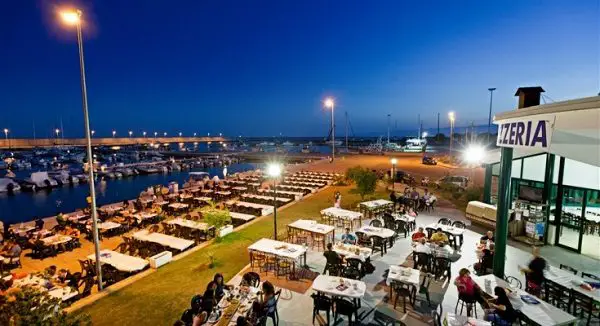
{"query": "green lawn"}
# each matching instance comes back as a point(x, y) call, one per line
point(161, 297)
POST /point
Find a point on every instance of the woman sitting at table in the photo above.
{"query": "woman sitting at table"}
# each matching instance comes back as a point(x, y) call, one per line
point(402, 209)
point(502, 312)
point(487, 260)
point(412, 212)
point(72, 232)
point(209, 299)
point(260, 308)
point(468, 290)
point(419, 234)
point(221, 287)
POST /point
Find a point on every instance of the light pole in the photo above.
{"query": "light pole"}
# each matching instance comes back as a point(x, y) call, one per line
point(114, 133)
point(452, 118)
point(491, 89)
point(389, 116)
point(394, 161)
point(74, 18)
point(130, 133)
point(57, 131)
point(6, 136)
point(144, 134)
point(330, 104)
point(93, 132)
point(155, 134)
point(274, 171)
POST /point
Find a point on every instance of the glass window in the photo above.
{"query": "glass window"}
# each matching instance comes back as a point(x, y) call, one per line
point(578, 174)
point(534, 167)
point(516, 168)
point(556, 166)
point(496, 169)
point(591, 239)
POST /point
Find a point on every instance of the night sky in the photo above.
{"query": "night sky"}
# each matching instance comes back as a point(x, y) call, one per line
point(260, 68)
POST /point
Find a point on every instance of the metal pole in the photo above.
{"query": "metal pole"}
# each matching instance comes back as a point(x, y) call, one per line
point(451, 134)
point(389, 115)
point(346, 132)
point(487, 185)
point(88, 139)
point(504, 203)
point(332, 133)
point(275, 208)
point(490, 116)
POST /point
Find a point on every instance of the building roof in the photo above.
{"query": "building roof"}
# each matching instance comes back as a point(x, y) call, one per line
point(529, 90)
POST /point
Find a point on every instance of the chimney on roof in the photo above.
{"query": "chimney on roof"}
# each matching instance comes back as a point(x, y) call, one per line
point(529, 96)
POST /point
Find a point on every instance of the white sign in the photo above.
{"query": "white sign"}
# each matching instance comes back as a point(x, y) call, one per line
point(535, 133)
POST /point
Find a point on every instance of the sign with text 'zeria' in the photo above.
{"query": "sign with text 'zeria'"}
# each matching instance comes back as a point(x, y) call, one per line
point(529, 133)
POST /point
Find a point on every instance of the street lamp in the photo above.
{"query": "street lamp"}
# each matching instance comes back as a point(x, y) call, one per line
point(6, 136)
point(73, 18)
point(194, 134)
point(330, 104)
point(144, 134)
point(452, 118)
point(180, 134)
point(274, 171)
point(155, 133)
point(394, 161)
point(130, 133)
point(491, 89)
point(165, 134)
point(474, 154)
point(114, 133)
point(93, 132)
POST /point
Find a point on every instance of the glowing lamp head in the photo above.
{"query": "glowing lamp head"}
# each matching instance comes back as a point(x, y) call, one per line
point(57, 130)
point(5, 131)
point(114, 132)
point(451, 115)
point(394, 161)
point(274, 170)
point(71, 17)
point(180, 134)
point(424, 134)
point(144, 133)
point(165, 134)
point(93, 132)
point(474, 154)
point(329, 103)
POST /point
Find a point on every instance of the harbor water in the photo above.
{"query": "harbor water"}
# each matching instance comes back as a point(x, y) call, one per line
point(27, 206)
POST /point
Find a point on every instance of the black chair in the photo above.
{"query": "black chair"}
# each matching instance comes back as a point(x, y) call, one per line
point(321, 303)
point(272, 309)
point(422, 261)
point(459, 224)
point(583, 306)
point(346, 308)
point(590, 276)
point(378, 243)
point(334, 269)
point(568, 268)
point(513, 281)
point(362, 239)
point(41, 251)
point(351, 273)
point(356, 263)
point(376, 223)
point(252, 279)
point(436, 318)
point(401, 227)
point(469, 303)
point(424, 287)
point(442, 266)
point(557, 295)
point(444, 221)
point(404, 291)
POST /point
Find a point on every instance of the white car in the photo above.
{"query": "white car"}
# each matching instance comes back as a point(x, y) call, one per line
point(460, 181)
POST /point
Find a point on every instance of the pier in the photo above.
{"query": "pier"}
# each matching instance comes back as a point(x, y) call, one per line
point(24, 143)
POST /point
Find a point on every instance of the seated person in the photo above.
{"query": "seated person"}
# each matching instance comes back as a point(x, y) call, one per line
point(61, 220)
point(468, 290)
point(260, 308)
point(209, 299)
point(489, 236)
point(348, 238)
point(487, 260)
point(13, 251)
point(414, 194)
point(221, 286)
point(426, 195)
point(73, 232)
point(407, 192)
point(66, 278)
point(443, 250)
point(419, 234)
point(411, 212)
point(439, 236)
point(50, 271)
point(35, 241)
point(502, 312)
point(422, 246)
point(402, 209)
point(39, 224)
point(331, 256)
point(431, 198)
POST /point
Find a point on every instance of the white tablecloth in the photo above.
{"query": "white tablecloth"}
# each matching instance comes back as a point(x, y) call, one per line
point(108, 225)
point(241, 216)
point(163, 239)
point(543, 313)
point(570, 281)
point(403, 274)
point(279, 199)
point(190, 224)
point(452, 319)
point(330, 285)
point(382, 232)
point(178, 206)
point(312, 226)
point(311, 189)
point(406, 218)
point(143, 216)
point(265, 209)
point(341, 213)
point(122, 262)
point(373, 204)
point(446, 228)
point(349, 251)
point(57, 239)
point(278, 248)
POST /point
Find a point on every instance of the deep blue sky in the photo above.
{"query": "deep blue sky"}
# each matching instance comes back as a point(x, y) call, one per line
point(263, 67)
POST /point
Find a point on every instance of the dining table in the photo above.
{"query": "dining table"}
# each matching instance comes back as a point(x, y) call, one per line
point(163, 239)
point(189, 224)
point(336, 214)
point(323, 232)
point(292, 252)
point(340, 287)
point(122, 262)
point(451, 231)
point(349, 251)
point(571, 281)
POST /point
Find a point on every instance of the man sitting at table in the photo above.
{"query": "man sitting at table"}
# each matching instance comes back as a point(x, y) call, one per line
point(66, 278)
point(489, 236)
point(439, 236)
point(422, 246)
point(348, 238)
point(13, 251)
point(332, 257)
point(414, 194)
point(486, 262)
point(443, 251)
point(419, 234)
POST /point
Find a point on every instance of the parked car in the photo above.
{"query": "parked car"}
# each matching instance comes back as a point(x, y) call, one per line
point(428, 160)
point(404, 177)
point(460, 181)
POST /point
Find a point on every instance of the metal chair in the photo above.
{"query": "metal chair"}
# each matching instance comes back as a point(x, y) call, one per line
point(513, 281)
point(321, 303)
point(568, 268)
point(444, 221)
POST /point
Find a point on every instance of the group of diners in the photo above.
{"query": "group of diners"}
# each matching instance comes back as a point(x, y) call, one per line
point(249, 302)
point(410, 199)
point(57, 283)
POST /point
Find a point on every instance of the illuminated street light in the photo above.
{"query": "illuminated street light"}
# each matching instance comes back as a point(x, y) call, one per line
point(6, 136)
point(394, 161)
point(165, 134)
point(474, 154)
point(220, 134)
point(144, 134)
point(330, 104)
point(209, 134)
point(130, 133)
point(93, 132)
point(73, 18)
point(180, 134)
point(424, 134)
point(194, 134)
point(114, 133)
point(155, 134)
point(57, 131)
point(274, 171)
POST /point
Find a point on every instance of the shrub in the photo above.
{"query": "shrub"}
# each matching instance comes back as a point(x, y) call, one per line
point(354, 173)
point(365, 180)
point(216, 217)
point(474, 193)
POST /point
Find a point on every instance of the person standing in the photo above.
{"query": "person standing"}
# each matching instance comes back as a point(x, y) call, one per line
point(534, 273)
point(338, 200)
point(393, 199)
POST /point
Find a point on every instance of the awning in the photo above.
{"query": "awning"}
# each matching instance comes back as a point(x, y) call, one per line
point(493, 156)
point(569, 129)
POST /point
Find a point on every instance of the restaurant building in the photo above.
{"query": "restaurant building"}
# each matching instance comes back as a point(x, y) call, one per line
point(545, 178)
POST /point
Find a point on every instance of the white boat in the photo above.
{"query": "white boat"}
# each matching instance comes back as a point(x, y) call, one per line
point(287, 144)
point(41, 180)
point(61, 177)
point(392, 147)
point(415, 145)
point(336, 143)
point(8, 185)
point(198, 176)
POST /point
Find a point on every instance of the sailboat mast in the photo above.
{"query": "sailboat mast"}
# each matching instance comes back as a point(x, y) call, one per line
point(346, 131)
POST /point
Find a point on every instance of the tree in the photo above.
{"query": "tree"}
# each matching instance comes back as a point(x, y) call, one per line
point(365, 180)
point(30, 306)
point(216, 217)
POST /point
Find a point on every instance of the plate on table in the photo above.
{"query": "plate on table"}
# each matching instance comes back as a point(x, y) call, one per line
point(529, 299)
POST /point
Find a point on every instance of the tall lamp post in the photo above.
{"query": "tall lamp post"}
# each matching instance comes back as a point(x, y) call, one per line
point(130, 133)
point(274, 171)
point(73, 17)
point(114, 133)
point(330, 104)
point(452, 118)
point(6, 136)
point(491, 89)
point(394, 161)
point(93, 132)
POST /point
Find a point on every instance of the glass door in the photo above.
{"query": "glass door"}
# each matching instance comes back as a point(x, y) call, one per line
point(570, 225)
point(591, 225)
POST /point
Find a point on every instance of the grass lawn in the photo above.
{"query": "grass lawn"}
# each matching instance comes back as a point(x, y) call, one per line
point(161, 297)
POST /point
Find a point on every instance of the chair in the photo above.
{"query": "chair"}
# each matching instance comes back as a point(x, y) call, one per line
point(321, 303)
point(442, 265)
point(557, 295)
point(375, 223)
point(351, 273)
point(436, 318)
point(583, 306)
point(378, 243)
point(284, 267)
point(122, 248)
point(270, 263)
point(568, 268)
point(590, 276)
point(346, 308)
point(362, 239)
point(401, 227)
point(272, 308)
point(422, 261)
point(513, 281)
point(252, 278)
point(444, 221)
point(459, 224)
point(41, 251)
point(405, 291)
point(466, 302)
point(356, 263)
